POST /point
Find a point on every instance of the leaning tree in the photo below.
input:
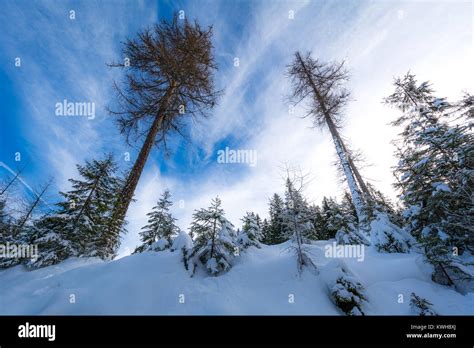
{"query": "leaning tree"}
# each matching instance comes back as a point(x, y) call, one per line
point(169, 76)
point(321, 85)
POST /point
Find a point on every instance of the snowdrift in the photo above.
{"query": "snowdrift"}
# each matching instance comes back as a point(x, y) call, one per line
point(261, 281)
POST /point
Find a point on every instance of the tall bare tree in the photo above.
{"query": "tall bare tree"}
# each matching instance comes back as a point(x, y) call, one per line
point(321, 84)
point(169, 76)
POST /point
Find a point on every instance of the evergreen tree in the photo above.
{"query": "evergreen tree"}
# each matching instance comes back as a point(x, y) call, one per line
point(333, 218)
point(20, 231)
point(436, 176)
point(79, 226)
point(317, 221)
point(215, 245)
point(276, 232)
point(6, 235)
point(251, 231)
point(161, 226)
point(49, 235)
point(266, 236)
point(297, 222)
point(4, 221)
point(421, 306)
point(383, 204)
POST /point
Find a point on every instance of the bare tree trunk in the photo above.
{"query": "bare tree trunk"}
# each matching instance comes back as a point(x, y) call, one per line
point(125, 198)
point(351, 181)
point(356, 172)
point(340, 149)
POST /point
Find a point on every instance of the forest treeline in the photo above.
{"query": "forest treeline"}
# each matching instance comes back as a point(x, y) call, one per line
point(169, 79)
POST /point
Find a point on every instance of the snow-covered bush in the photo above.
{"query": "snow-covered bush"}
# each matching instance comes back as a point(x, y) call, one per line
point(345, 290)
point(184, 243)
point(347, 294)
point(351, 235)
point(388, 237)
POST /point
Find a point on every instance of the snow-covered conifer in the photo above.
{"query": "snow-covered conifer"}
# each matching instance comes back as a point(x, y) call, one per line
point(251, 231)
point(161, 228)
point(214, 246)
point(421, 306)
point(436, 177)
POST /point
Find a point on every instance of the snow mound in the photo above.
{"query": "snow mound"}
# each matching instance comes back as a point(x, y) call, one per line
point(262, 281)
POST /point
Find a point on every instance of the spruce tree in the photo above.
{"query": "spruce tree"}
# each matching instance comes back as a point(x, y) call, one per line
point(316, 218)
point(266, 236)
point(251, 231)
point(161, 227)
point(333, 218)
point(297, 222)
point(6, 235)
point(50, 236)
point(79, 226)
point(435, 174)
point(276, 232)
point(215, 245)
point(4, 221)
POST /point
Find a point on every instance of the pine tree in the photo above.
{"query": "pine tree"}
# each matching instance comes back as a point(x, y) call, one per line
point(215, 245)
point(334, 218)
point(251, 231)
point(6, 234)
point(79, 226)
point(266, 236)
point(317, 221)
point(436, 177)
point(49, 235)
point(297, 222)
point(4, 221)
point(20, 231)
point(421, 306)
point(276, 232)
point(161, 227)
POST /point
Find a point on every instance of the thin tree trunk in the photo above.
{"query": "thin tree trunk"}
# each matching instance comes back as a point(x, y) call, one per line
point(343, 155)
point(351, 181)
point(356, 172)
point(125, 198)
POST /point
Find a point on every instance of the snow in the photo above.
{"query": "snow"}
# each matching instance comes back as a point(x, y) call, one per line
point(261, 281)
point(182, 240)
point(159, 245)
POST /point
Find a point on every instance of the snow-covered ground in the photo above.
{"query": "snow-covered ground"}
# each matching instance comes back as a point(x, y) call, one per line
point(262, 281)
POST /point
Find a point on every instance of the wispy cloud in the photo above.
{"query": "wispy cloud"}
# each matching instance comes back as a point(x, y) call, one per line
point(64, 59)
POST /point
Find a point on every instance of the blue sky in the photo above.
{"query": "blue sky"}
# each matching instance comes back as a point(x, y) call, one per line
point(66, 59)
